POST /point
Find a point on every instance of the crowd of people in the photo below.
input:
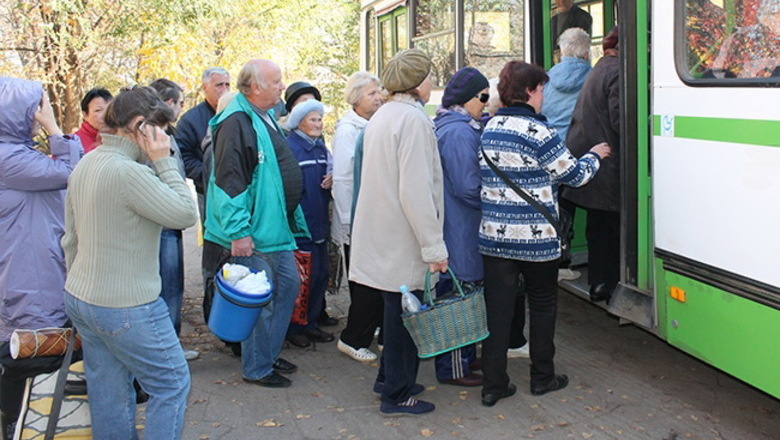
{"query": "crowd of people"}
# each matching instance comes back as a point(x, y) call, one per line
point(409, 195)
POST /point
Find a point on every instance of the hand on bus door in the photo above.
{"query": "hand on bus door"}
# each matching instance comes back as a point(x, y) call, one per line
point(602, 150)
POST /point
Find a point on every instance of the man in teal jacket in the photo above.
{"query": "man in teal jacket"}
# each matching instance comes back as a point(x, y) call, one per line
point(253, 214)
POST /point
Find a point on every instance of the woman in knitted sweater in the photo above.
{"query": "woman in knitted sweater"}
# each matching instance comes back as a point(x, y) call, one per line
point(111, 243)
point(514, 237)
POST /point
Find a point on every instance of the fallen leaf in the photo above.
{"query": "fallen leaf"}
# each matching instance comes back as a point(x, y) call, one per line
point(268, 423)
point(500, 417)
point(220, 382)
point(456, 420)
point(563, 423)
point(216, 424)
point(303, 416)
point(317, 394)
point(391, 424)
point(426, 432)
point(540, 427)
point(587, 435)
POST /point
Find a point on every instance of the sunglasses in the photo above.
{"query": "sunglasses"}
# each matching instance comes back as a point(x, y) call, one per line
point(483, 97)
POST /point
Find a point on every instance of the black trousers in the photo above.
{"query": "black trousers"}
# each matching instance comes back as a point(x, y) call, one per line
point(399, 363)
point(501, 296)
point(603, 234)
point(365, 313)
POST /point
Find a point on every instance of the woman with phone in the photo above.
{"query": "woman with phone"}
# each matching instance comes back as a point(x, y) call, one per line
point(115, 210)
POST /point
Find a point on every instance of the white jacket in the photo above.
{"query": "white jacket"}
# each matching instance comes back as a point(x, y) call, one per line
point(343, 145)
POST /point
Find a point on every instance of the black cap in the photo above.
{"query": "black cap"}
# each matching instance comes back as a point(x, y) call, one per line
point(295, 90)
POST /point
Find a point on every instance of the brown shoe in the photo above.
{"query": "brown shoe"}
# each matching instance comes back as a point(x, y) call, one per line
point(472, 380)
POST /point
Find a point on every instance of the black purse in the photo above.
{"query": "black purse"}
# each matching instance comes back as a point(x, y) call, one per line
point(562, 226)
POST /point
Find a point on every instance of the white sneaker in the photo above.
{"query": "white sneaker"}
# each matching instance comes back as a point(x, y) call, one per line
point(568, 274)
point(191, 355)
point(522, 352)
point(360, 355)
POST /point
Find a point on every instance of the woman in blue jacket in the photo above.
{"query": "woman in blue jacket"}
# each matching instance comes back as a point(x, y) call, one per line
point(458, 131)
point(305, 140)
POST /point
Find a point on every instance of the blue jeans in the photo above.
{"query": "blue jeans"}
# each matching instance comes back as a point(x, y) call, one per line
point(260, 351)
point(125, 343)
point(317, 288)
point(172, 274)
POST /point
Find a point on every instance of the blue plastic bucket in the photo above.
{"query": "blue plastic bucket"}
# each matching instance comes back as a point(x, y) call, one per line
point(234, 313)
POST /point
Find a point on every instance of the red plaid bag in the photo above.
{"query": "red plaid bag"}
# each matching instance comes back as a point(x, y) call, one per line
point(300, 312)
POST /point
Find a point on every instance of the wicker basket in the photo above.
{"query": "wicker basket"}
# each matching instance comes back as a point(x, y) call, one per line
point(447, 324)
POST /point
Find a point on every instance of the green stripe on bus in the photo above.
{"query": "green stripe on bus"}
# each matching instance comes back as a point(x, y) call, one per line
point(740, 131)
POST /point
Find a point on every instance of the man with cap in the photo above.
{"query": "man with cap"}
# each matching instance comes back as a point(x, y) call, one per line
point(254, 216)
point(458, 132)
point(398, 219)
point(298, 92)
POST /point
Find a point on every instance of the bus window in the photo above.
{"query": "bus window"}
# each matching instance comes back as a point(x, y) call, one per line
point(732, 39)
point(371, 41)
point(435, 35)
point(401, 32)
point(386, 35)
point(493, 34)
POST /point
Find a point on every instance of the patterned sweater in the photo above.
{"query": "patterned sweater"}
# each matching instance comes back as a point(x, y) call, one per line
point(521, 144)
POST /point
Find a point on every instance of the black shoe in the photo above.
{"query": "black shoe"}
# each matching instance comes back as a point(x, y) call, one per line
point(327, 321)
point(491, 399)
point(273, 380)
point(284, 367)
point(600, 292)
point(299, 340)
point(318, 335)
point(558, 382)
point(472, 380)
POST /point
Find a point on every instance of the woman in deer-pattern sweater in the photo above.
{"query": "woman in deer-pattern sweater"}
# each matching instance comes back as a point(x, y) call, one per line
point(514, 237)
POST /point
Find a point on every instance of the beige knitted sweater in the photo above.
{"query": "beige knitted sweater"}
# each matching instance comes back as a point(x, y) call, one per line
point(114, 211)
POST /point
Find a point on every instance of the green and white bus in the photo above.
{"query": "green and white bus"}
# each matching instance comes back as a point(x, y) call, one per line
point(700, 147)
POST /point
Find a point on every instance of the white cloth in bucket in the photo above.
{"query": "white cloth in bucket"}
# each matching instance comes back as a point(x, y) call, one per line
point(242, 279)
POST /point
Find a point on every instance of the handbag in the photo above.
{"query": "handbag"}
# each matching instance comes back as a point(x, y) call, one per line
point(447, 323)
point(557, 225)
point(301, 310)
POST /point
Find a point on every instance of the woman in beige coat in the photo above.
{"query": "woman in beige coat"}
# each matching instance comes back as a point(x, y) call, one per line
point(397, 230)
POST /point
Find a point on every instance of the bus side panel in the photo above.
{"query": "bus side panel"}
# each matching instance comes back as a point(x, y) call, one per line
point(739, 336)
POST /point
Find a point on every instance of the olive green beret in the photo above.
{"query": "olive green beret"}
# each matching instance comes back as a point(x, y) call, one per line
point(406, 70)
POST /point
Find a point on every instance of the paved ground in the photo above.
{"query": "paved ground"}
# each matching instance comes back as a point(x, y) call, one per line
point(625, 384)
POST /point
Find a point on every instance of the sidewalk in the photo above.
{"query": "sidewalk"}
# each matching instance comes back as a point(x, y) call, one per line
point(624, 384)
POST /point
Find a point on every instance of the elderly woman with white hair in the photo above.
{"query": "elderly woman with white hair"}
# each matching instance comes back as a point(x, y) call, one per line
point(305, 140)
point(362, 93)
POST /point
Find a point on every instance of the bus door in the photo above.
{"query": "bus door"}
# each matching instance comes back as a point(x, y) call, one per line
point(632, 299)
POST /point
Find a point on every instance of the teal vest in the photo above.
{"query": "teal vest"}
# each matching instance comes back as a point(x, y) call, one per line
point(259, 211)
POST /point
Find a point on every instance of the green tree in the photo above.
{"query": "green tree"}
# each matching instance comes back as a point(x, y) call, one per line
point(73, 45)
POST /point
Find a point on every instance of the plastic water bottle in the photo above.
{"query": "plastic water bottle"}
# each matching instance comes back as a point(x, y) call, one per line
point(409, 302)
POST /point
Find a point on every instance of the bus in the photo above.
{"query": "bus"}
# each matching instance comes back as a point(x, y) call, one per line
point(700, 152)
